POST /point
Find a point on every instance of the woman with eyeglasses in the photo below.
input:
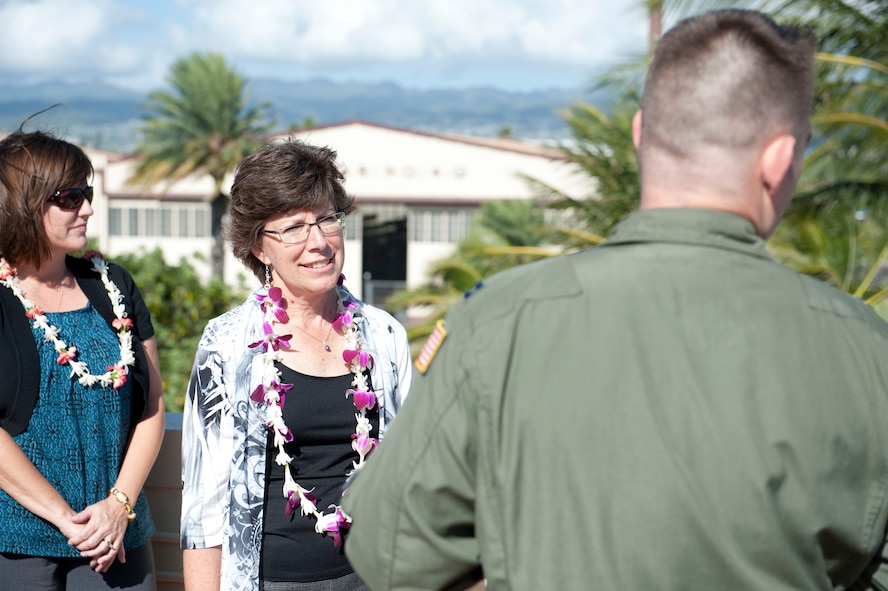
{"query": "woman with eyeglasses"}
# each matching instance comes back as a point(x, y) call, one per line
point(81, 403)
point(290, 391)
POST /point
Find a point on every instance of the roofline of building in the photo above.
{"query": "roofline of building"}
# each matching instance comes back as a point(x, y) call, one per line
point(504, 144)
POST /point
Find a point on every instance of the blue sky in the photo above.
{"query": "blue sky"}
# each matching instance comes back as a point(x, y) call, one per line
point(509, 44)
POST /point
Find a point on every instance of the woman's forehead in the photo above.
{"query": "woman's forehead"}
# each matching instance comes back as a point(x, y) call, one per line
point(302, 214)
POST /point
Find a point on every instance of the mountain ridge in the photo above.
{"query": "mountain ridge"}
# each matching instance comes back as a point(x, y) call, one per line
point(100, 115)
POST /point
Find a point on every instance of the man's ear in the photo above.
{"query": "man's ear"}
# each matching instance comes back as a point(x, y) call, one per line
point(776, 161)
point(636, 128)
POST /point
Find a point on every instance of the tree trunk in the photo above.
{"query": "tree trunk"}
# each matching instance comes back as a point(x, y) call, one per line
point(656, 25)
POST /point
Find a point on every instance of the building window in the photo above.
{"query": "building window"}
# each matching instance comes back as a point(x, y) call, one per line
point(133, 219)
point(201, 223)
point(114, 221)
point(183, 223)
point(351, 226)
point(167, 220)
point(422, 225)
point(459, 223)
point(441, 225)
point(380, 213)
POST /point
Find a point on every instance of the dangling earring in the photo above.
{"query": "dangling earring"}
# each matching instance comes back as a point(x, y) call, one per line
point(267, 278)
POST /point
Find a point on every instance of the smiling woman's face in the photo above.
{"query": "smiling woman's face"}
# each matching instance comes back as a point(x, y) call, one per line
point(311, 267)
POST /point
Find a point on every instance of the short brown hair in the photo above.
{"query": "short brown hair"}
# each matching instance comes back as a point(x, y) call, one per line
point(33, 166)
point(280, 177)
point(728, 78)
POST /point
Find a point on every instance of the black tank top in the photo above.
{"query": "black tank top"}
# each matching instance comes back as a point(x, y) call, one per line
point(322, 420)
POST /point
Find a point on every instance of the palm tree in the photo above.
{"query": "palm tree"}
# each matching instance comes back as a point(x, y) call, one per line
point(503, 234)
point(842, 240)
point(201, 125)
point(851, 128)
point(851, 107)
point(602, 148)
point(837, 226)
point(450, 279)
point(832, 229)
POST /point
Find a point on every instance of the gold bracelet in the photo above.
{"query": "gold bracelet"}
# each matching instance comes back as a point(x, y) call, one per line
point(122, 498)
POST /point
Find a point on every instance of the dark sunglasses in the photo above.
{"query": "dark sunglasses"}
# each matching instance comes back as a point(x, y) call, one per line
point(71, 198)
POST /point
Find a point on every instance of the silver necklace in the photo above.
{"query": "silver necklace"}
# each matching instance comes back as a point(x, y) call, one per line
point(321, 341)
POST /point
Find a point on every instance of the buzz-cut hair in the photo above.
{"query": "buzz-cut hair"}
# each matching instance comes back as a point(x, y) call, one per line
point(729, 79)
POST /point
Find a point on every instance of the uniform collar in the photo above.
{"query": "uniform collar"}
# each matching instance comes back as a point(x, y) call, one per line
point(703, 227)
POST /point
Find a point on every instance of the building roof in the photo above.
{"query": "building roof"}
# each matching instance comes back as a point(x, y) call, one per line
point(507, 144)
point(386, 163)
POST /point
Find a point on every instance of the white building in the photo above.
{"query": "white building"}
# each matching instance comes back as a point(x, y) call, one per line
point(416, 194)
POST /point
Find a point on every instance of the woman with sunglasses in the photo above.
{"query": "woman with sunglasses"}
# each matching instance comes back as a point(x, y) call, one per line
point(290, 391)
point(81, 404)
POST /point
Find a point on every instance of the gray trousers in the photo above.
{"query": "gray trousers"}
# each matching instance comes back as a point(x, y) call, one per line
point(41, 573)
point(349, 582)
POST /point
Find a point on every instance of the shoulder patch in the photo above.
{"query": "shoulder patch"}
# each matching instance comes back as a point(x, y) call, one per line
point(430, 349)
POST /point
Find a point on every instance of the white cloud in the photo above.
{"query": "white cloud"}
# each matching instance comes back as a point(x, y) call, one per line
point(134, 42)
point(576, 32)
point(58, 37)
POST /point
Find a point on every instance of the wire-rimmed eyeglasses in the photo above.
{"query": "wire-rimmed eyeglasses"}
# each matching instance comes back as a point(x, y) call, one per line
point(297, 233)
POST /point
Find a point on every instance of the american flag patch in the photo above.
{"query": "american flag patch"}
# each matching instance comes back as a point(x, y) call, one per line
point(431, 347)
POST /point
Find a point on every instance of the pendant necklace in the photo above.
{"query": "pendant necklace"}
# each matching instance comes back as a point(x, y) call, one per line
point(321, 341)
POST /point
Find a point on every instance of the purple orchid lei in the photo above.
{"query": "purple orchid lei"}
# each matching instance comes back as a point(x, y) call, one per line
point(272, 393)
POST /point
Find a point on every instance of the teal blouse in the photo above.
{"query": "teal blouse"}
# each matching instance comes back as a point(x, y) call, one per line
point(76, 437)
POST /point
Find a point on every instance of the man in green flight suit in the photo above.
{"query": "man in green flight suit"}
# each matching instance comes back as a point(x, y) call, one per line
point(672, 410)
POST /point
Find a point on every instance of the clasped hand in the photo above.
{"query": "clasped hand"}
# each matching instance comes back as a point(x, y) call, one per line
point(98, 532)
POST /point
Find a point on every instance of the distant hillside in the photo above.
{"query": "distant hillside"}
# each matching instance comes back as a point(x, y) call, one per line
point(481, 111)
point(102, 116)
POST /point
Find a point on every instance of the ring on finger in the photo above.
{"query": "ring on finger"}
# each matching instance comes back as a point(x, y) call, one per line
point(110, 545)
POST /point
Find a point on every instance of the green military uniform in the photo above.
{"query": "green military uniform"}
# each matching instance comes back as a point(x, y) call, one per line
point(672, 410)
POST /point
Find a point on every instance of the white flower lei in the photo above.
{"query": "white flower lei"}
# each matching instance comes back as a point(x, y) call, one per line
point(271, 393)
point(117, 373)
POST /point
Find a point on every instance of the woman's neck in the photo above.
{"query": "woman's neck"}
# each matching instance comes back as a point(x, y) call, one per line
point(51, 273)
point(306, 309)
